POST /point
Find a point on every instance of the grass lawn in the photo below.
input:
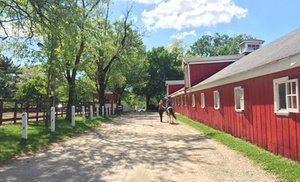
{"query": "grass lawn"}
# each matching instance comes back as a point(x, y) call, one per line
point(11, 143)
point(284, 168)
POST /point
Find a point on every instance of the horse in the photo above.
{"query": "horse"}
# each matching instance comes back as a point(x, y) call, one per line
point(170, 114)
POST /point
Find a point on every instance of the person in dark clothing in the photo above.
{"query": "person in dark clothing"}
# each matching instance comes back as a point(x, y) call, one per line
point(161, 109)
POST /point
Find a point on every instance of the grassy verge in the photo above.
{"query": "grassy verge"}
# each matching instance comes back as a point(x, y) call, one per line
point(284, 168)
point(11, 143)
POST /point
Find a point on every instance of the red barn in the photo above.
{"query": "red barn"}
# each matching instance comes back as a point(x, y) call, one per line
point(174, 85)
point(110, 100)
point(197, 69)
point(255, 98)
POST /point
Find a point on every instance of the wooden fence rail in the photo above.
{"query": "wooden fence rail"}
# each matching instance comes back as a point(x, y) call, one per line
point(11, 110)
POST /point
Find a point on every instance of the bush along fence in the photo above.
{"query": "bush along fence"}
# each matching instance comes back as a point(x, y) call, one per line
point(12, 110)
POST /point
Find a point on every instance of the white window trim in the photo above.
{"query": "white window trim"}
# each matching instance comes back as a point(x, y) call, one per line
point(294, 95)
point(217, 96)
point(284, 112)
point(193, 100)
point(276, 82)
point(202, 100)
point(242, 100)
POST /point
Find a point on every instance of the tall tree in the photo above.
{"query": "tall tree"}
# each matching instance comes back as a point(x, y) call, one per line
point(8, 77)
point(106, 47)
point(217, 45)
point(163, 65)
point(130, 69)
point(66, 42)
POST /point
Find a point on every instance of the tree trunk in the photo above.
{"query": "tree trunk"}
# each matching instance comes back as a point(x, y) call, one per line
point(101, 90)
point(71, 100)
point(147, 101)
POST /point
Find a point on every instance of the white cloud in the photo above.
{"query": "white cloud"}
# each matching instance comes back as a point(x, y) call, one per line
point(178, 14)
point(182, 35)
point(147, 1)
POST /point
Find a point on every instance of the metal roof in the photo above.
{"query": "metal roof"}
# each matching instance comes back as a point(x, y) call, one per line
point(284, 47)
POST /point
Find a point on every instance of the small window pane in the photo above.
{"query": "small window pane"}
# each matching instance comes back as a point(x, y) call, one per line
point(216, 100)
point(282, 96)
point(239, 98)
point(293, 84)
point(193, 100)
point(294, 102)
point(289, 88)
point(202, 100)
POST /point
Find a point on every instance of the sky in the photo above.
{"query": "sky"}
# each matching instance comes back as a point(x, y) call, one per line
point(166, 20)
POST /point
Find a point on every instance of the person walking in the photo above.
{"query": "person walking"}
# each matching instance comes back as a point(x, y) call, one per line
point(161, 109)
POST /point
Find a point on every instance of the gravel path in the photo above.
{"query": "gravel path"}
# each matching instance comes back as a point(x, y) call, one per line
point(135, 147)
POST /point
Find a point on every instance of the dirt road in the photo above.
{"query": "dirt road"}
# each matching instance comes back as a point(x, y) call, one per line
point(135, 147)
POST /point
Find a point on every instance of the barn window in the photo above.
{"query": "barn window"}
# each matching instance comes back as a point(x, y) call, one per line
point(181, 99)
point(216, 99)
point(193, 100)
point(286, 96)
point(292, 96)
point(239, 99)
point(202, 100)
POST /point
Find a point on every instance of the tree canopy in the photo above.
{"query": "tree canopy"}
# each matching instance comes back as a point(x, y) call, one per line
point(163, 65)
point(9, 74)
point(217, 45)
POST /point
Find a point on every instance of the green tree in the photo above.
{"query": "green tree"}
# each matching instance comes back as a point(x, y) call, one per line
point(9, 74)
point(163, 65)
point(65, 41)
point(217, 45)
point(107, 45)
point(84, 88)
point(130, 69)
point(32, 85)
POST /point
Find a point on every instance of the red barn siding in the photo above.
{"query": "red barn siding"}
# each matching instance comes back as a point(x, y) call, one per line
point(174, 88)
point(257, 123)
point(199, 72)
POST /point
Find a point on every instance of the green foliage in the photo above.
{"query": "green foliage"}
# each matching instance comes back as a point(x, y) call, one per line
point(163, 65)
point(217, 45)
point(84, 88)
point(9, 74)
point(32, 89)
point(130, 70)
point(284, 168)
point(132, 99)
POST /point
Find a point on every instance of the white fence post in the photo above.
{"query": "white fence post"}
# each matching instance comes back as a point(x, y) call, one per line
point(103, 110)
point(52, 119)
point(83, 114)
point(91, 111)
point(24, 125)
point(73, 115)
point(97, 110)
point(113, 111)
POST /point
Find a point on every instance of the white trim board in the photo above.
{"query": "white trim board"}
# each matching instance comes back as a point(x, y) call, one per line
point(210, 62)
point(174, 82)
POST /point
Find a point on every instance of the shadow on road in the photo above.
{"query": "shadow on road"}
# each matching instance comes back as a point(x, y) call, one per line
point(122, 144)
